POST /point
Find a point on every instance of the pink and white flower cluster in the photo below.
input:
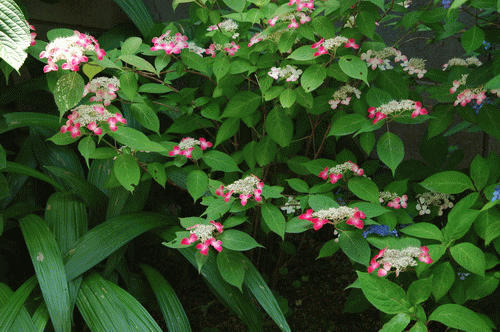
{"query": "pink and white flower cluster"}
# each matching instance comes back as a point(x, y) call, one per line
point(415, 66)
point(186, 146)
point(302, 4)
point(432, 198)
point(468, 95)
point(104, 89)
point(227, 26)
point(396, 108)
point(324, 46)
point(399, 259)
point(342, 96)
point(32, 34)
point(381, 59)
point(170, 44)
point(72, 50)
point(246, 188)
point(336, 173)
point(92, 117)
point(291, 74)
point(394, 200)
point(462, 62)
point(231, 48)
point(334, 216)
point(204, 234)
point(302, 18)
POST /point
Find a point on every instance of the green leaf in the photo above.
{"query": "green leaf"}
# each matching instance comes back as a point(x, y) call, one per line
point(459, 317)
point(469, 257)
point(15, 34)
point(479, 171)
point(154, 88)
point(442, 116)
point(354, 67)
point(231, 267)
point(424, 230)
point(481, 287)
point(489, 120)
point(347, 124)
point(303, 53)
point(28, 119)
point(197, 184)
point(448, 182)
point(145, 116)
point(274, 219)
point(221, 67)
point(472, 39)
point(393, 83)
point(137, 62)
point(367, 142)
point(158, 173)
point(237, 240)
point(118, 310)
point(286, 41)
point(365, 21)
point(47, 261)
point(459, 223)
point(364, 188)
point(397, 323)
point(136, 139)
point(104, 239)
point(68, 91)
point(324, 27)
point(86, 146)
point(241, 105)
point(328, 249)
point(420, 290)
point(313, 77)
point(131, 45)
point(138, 13)
point(237, 5)
point(321, 202)
point(265, 151)
point(390, 150)
point(298, 185)
point(287, 98)
point(443, 278)
point(12, 167)
point(128, 84)
point(219, 161)
point(279, 126)
point(228, 129)
point(385, 295)
point(127, 171)
point(492, 232)
point(12, 307)
point(355, 247)
point(494, 83)
point(377, 97)
point(170, 305)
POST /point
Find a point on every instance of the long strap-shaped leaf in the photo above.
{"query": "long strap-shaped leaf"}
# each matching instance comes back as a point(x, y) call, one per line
point(47, 260)
point(41, 317)
point(25, 170)
point(107, 307)
point(259, 289)
point(173, 312)
point(137, 11)
point(240, 303)
point(23, 321)
point(11, 308)
point(28, 119)
point(103, 240)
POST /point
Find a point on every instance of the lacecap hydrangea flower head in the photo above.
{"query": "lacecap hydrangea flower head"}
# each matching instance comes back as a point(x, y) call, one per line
point(73, 50)
point(246, 188)
point(186, 147)
point(205, 235)
point(104, 89)
point(334, 216)
point(92, 117)
point(400, 259)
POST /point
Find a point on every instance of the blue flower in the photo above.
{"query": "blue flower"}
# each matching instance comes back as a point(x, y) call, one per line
point(462, 276)
point(447, 3)
point(486, 45)
point(496, 194)
point(382, 230)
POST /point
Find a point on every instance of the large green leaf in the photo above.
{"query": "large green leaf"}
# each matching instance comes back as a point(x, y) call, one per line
point(47, 261)
point(12, 307)
point(274, 219)
point(364, 188)
point(469, 257)
point(170, 305)
point(105, 307)
point(354, 67)
point(312, 77)
point(138, 13)
point(219, 161)
point(23, 321)
point(136, 139)
point(390, 150)
point(29, 119)
point(448, 182)
point(459, 317)
point(106, 238)
point(68, 91)
point(29, 171)
point(15, 34)
point(279, 126)
point(241, 105)
point(197, 183)
point(355, 247)
point(385, 295)
point(472, 38)
point(231, 266)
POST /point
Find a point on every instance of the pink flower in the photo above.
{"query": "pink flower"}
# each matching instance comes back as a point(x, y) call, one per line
point(187, 241)
point(175, 152)
point(204, 247)
point(334, 178)
point(244, 198)
point(324, 173)
point(318, 44)
point(211, 50)
point(257, 194)
point(227, 196)
point(308, 215)
point(217, 244)
point(273, 21)
point(322, 50)
point(293, 24)
point(372, 111)
point(219, 226)
point(351, 43)
point(356, 219)
point(205, 144)
point(379, 116)
point(50, 67)
point(318, 223)
point(220, 191)
point(93, 127)
point(188, 153)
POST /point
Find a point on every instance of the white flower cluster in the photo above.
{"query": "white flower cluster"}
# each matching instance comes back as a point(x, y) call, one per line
point(192, 47)
point(381, 59)
point(334, 43)
point(351, 22)
point(443, 201)
point(292, 18)
point(188, 142)
point(342, 168)
point(85, 114)
point(462, 62)
point(228, 26)
point(387, 196)
point(204, 232)
point(336, 215)
point(341, 96)
point(291, 206)
point(401, 259)
point(396, 106)
point(406, 3)
point(290, 73)
point(245, 186)
point(467, 95)
point(104, 89)
point(415, 66)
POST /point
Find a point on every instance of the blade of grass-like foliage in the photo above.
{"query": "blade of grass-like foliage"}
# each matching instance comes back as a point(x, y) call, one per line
point(11, 308)
point(23, 321)
point(106, 238)
point(240, 303)
point(90, 194)
point(41, 317)
point(173, 312)
point(28, 119)
point(107, 307)
point(25, 170)
point(259, 289)
point(47, 261)
point(137, 11)
point(66, 216)
point(99, 171)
